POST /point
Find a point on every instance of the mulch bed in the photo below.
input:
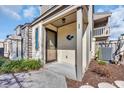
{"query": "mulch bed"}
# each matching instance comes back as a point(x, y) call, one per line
point(97, 73)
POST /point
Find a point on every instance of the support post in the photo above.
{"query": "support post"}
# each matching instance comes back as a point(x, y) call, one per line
point(79, 43)
point(43, 44)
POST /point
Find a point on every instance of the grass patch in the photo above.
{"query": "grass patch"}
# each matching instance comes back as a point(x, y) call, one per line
point(20, 66)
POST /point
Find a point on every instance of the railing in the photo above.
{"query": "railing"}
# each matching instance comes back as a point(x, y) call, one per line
point(101, 31)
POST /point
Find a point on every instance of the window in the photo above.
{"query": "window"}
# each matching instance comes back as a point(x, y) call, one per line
point(36, 39)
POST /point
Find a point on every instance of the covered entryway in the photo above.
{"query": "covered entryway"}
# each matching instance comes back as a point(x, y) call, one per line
point(51, 45)
point(61, 39)
point(72, 50)
point(61, 45)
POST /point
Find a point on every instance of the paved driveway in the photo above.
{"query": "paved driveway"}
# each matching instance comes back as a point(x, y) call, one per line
point(36, 79)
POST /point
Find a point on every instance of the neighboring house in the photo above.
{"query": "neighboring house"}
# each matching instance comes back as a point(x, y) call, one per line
point(12, 47)
point(25, 42)
point(101, 31)
point(15, 50)
point(7, 43)
point(18, 46)
point(63, 34)
point(1, 48)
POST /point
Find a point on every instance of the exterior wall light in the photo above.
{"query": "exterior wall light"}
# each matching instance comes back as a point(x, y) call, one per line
point(63, 20)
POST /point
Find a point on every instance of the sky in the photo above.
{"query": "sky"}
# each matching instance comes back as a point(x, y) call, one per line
point(12, 16)
point(116, 20)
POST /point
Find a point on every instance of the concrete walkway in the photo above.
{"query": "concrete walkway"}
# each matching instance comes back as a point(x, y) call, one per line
point(64, 69)
point(51, 76)
point(34, 79)
point(7, 81)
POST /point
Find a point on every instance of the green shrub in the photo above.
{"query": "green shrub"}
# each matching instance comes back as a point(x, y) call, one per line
point(3, 60)
point(9, 67)
point(6, 68)
point(30, 65)
point(101, 62)
point(97, 54)
point(20, 65)
point(1, 63)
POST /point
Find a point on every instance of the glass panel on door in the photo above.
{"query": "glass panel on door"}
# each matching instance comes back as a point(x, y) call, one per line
point(51, 44)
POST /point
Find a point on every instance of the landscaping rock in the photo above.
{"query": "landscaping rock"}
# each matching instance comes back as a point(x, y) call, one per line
point(119, 83)
point(86, 86)
point(105, 85)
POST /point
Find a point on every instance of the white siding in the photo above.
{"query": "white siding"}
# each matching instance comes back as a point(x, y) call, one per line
point(87, 42)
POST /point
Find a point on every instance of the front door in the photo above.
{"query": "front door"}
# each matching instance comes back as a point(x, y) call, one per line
point(51, 45)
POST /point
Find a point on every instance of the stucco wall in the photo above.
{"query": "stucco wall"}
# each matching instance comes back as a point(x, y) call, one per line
point(1, 44)
point(15, 46)
point(37, 54)
point(66, 48)
point(19, 50)
point(13, 50)
point(6, 48)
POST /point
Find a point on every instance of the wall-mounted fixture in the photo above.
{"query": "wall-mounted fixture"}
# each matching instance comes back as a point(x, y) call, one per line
point(69, 37)
point(63, 20)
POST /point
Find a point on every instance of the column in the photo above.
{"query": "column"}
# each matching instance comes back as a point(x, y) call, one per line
point(79, 43)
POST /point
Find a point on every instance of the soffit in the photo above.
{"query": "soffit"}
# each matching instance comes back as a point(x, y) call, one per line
point(101, 15)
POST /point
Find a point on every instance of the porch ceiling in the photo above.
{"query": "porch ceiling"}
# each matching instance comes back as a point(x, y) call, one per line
point(65, 20)
point(69, 16)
